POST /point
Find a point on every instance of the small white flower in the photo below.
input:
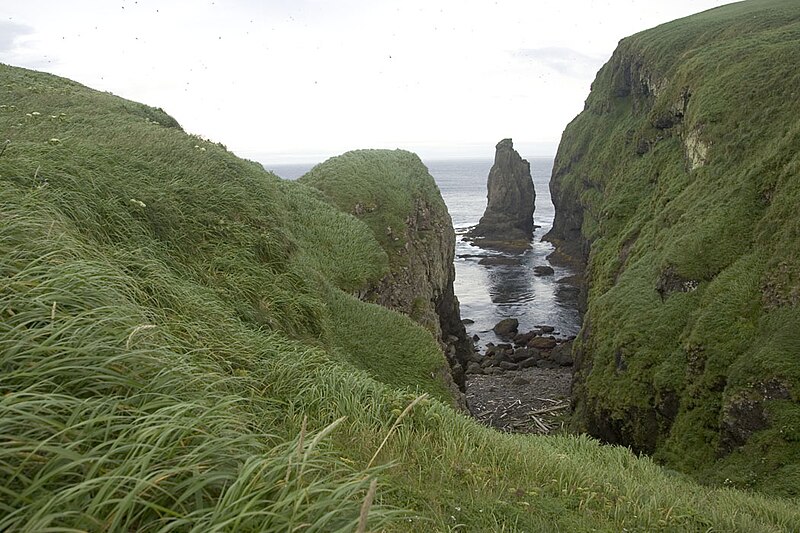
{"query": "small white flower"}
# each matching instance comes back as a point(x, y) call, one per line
point(138, 203)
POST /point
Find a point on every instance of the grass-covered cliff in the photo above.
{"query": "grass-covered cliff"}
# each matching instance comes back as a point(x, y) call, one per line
point(679, 184)
point(181, 350)
point(392, 192)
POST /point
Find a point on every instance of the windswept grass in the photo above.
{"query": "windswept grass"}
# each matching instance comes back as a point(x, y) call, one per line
point(337, 245)
point(381, 187)
point(109, 425)
point(178, 352)
point(371, 337)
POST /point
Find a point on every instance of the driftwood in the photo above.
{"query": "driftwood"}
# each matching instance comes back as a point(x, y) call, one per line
point(550, 409)
point(536, 406)
point(512, 416)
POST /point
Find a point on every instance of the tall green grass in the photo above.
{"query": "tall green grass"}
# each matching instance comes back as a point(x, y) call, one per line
point(112, 420)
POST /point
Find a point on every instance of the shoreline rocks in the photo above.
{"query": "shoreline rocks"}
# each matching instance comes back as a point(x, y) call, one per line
point(529, 349)
point(506, 328)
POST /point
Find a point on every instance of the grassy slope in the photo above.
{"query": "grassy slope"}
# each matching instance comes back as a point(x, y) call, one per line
point(731, 225)
point(384, 183)
point(170, 316)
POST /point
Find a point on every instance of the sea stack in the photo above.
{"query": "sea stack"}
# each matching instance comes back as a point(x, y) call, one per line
point(509, 212)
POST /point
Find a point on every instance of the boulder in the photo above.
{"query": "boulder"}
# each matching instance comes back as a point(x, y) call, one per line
point(503, 354)
point(519, 354)
point(546, 363)
point(562, 354)
point(528, 363)
point(506, 327)
point(546, 329)
point(474, 368)
point(508, 365)
point(542, 343)
point(521, 339)
point(543, 270)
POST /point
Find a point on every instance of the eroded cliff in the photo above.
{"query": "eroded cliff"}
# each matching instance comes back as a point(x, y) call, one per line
point(677, 186)
point(394, 194)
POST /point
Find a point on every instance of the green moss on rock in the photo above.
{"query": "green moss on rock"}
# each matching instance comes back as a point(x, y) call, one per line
point(678, 186)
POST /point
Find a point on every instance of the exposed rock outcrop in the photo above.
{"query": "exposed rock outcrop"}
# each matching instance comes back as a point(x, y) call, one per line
point(420, 284)
point(509, 211)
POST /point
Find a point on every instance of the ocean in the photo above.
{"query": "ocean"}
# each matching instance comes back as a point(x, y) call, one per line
point(490, 293)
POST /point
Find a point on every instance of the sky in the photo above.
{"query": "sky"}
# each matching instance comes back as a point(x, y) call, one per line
point(301, 80)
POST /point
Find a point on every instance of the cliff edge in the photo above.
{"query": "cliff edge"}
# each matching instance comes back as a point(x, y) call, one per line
point(395, 195)
point(678, 187)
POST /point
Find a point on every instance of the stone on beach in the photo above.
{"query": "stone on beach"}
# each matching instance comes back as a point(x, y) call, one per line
point(506, 328)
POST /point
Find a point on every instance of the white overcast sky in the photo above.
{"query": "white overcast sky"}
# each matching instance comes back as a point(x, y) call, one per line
point(298, 80)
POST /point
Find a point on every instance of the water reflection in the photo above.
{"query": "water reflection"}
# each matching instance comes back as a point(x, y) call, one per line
point(489, 293)
point(507, 286)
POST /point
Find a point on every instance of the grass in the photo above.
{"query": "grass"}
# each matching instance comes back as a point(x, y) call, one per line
point(194, 359)
point(110, 426)
point(338, 246)
point(662, 371)
point(382, 188)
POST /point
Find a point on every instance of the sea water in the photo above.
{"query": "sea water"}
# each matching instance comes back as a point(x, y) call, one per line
point(489, 293)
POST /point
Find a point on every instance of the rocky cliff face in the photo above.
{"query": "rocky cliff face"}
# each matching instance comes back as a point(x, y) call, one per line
point(677, 187)
point(421, 283)
point(509, 210)
point(395, 195)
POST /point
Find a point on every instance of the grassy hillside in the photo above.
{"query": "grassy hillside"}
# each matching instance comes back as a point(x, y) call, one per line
point(349, 181)
point(683, 173)
point(179, 351)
